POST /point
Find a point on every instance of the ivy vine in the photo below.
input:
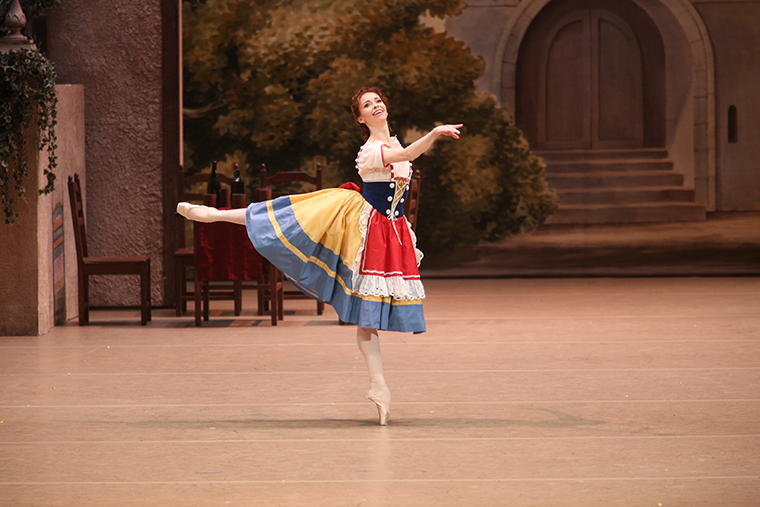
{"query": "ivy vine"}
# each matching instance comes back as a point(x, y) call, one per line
point(27, 86)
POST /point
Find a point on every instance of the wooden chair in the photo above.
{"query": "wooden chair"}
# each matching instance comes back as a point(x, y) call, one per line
point(238, 262)
point(199, 178)
point(413, 200)
point(270, 290)
point(184, 257)
point(289, 177)
point(87, 266)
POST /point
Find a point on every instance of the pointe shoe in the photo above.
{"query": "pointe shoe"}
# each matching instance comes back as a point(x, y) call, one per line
point(196, 212)
point(383, 401)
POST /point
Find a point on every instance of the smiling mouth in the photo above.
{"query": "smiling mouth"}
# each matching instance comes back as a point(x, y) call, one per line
point(379, 111)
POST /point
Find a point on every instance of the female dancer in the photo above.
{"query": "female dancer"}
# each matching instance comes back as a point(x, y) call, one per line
point(354, 251)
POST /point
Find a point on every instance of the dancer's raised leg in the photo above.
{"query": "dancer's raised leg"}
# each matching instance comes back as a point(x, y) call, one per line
point(199, 213)
point(369, 345)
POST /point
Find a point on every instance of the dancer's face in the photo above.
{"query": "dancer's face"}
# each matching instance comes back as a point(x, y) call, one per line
point(372, 110)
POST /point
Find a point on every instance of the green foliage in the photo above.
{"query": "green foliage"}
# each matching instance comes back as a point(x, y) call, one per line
point(27, 87)
point(485, 186)
point(284, 71)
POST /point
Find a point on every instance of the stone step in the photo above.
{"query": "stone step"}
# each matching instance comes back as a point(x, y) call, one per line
point(613, 179)
point(589, 155)
point(618, 186)
point(627, 213)
point(609, 165)
point(626, 195)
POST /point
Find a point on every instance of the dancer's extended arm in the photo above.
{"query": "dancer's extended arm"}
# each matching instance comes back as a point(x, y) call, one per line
point(421, 145)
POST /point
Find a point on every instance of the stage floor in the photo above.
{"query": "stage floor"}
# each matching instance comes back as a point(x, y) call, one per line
point(526, 392)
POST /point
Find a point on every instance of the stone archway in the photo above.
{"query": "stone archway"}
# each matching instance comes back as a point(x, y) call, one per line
point(695, 41)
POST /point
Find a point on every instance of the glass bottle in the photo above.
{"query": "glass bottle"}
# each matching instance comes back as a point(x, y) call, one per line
point(238, 186)
point(214, 185)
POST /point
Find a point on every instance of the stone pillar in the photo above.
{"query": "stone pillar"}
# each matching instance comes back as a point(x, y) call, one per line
point(24, 293)
point(26, 290)
point(27, 248)
point(39, 286)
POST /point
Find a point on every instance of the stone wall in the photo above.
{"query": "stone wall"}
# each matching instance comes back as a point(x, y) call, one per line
point(481, 26)
point(114, 48)
point(735, 33)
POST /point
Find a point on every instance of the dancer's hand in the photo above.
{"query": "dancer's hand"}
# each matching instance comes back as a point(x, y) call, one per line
point(420, 146)
point(448, 130)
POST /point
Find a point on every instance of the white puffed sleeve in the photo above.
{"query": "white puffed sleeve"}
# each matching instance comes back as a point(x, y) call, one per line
point(370, 163)
point(372, 166)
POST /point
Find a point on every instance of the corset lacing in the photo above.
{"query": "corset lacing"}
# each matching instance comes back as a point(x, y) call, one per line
point(391, 214)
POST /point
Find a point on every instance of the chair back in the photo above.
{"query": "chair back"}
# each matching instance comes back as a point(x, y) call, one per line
point(185, 196)
point(413, 200)
point(290, 176)
point(77, 218)
point(263, 194)
point(184, 181)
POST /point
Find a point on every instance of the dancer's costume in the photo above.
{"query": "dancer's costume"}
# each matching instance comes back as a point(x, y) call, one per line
point(355, 251)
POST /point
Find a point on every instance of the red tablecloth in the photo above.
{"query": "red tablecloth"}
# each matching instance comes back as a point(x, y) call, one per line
point(224, 252)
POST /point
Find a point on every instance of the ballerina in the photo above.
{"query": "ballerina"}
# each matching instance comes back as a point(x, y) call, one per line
point(354, 251)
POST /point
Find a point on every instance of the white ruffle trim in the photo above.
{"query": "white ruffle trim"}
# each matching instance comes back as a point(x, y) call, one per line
point(392, 286)
point(417, 252)
point(363, 225)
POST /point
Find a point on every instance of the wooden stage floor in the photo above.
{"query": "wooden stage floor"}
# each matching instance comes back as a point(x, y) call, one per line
point(525, 392)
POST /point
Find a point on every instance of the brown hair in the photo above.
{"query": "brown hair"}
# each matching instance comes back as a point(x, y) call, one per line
point(356, 107)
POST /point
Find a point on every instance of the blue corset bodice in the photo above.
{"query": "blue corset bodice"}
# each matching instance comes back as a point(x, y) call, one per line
point(386, 197)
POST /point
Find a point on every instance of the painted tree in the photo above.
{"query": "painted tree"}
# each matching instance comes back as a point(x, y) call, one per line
point(272, 80)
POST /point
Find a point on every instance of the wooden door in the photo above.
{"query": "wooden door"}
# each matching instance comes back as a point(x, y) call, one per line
point(590, 83)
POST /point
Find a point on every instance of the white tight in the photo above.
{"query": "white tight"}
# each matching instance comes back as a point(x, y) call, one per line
point(236, 216)
point(369, 345)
